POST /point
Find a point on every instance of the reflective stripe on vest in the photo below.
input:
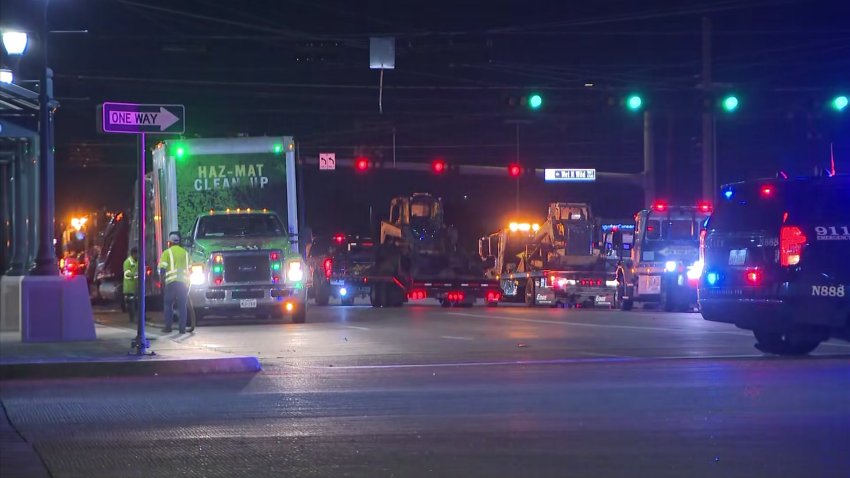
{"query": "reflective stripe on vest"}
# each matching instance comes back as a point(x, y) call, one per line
point(175, 273)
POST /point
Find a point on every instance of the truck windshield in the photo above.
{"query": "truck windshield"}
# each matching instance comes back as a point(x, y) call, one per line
point(240, 225)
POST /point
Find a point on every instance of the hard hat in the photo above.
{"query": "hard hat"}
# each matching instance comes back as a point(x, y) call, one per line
point(174, 237)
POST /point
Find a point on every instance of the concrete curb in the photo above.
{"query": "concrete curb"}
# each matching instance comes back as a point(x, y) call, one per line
point(132, 366)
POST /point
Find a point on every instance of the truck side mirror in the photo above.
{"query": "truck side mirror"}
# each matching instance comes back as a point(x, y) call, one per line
point(188, 242)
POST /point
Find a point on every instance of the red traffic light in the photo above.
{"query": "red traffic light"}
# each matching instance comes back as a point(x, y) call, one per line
point(438, 166)
point(361, 164)
point(514, 170)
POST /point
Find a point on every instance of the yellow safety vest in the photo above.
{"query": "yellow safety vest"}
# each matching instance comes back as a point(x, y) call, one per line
point(175, 261)
point(131, 275)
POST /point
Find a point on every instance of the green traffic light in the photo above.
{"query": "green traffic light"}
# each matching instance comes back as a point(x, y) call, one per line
point(535, 101)
point(278, 148)
point(634, 102)
point(179, 151)
point(730, 103)
point(839, 103)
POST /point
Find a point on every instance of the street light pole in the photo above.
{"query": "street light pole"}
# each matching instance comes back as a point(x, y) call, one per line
point(45, 260)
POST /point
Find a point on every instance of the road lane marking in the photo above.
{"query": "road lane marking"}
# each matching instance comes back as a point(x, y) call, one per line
point(582, 324)
point(356, 327)
point(453, 337)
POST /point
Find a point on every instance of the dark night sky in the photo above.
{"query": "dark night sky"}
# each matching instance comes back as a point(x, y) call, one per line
point(301, 68)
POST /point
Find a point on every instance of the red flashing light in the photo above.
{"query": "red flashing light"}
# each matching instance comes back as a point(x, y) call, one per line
point(339, 238)
point(328, 267)
point(274, 256)
point(514, 170)
point(791, 242)
point(767, 190)
point(218, 281)
point(659, 206)
point(438, 166)
point(417, 294)
point(705, 206)
point(218, 259)
point(275, 279)
point(361, 164)
point(753, 276)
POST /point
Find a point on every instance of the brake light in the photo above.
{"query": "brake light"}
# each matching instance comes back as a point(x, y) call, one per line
point(339, 238)
point(791, 242)
point(455, 296)
point(493, 296)
point(417, 294)
point(704, 206)
point(328, 265)
point(766, 190)
point(753, 276)
point(659, 206)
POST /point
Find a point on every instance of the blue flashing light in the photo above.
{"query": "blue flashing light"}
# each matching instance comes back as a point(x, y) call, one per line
point(343, 292)
point(728, 194)
point(712, 278)
point(670, 266)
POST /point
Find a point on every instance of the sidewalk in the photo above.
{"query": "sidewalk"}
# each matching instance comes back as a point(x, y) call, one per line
point(110, 355)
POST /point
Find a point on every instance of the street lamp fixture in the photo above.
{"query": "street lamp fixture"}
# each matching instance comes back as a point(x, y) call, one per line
point(6, 76)
point(15, 42)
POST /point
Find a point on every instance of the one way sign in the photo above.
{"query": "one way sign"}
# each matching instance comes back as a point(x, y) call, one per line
point(135, 118)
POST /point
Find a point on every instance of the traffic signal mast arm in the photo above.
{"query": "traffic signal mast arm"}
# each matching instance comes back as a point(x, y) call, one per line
point(467, 169)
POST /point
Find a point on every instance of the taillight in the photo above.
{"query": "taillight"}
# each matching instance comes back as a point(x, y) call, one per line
point(791, 241)
point(753, 276)
point(417, 294)
point(493, 296)
point(455, 296)
point(328, 265)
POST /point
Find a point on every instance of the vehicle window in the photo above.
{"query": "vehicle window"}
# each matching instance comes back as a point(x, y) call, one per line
point(679, 229)
point(653, 229)
point(239, 225)
point(746, 211)
point(420, 209)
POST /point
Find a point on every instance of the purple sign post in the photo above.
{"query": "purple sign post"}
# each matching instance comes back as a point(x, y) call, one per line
point(139, 119)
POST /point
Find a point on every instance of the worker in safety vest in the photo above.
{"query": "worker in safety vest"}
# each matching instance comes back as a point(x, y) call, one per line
point(131, 283)
point(174, 268)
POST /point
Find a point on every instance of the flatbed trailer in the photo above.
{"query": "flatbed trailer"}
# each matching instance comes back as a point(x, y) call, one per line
point(392, 291)
point(565, 288)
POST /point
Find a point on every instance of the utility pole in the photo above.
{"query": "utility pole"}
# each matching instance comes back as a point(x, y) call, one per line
point(648, 159)
point(709, 174)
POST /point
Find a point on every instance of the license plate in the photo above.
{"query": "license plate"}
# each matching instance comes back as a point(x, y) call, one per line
point(248, 303)
point(649, 285)
point(337, 282)
point(737, 257)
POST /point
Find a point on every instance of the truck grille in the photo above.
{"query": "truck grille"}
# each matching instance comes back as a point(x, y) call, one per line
point(246, 268)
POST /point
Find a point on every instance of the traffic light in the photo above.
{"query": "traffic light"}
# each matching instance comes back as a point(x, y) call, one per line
point(361, 164)
point(535, 101)
point(514, 170)
point(438, 166)
point(729, 103)
point(179, 151)
point(839, 103)
point(634, 102)
point(278, 148)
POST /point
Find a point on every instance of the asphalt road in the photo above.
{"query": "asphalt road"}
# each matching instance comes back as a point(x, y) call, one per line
point(426, 391)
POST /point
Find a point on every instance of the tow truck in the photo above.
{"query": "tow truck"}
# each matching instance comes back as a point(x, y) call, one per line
point(563, 264)
point(501, 252)
point(339, 265)
point(665, 265)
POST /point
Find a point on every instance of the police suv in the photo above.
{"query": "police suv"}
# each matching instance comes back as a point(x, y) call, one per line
point(776, 260)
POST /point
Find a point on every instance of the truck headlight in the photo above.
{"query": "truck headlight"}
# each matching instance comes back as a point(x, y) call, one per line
point(670, 266)
point(695, 270)
point(197, 277)
point(294, 273)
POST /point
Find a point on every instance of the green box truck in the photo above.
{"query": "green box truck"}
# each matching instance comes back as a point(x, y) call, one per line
point(234, 202)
